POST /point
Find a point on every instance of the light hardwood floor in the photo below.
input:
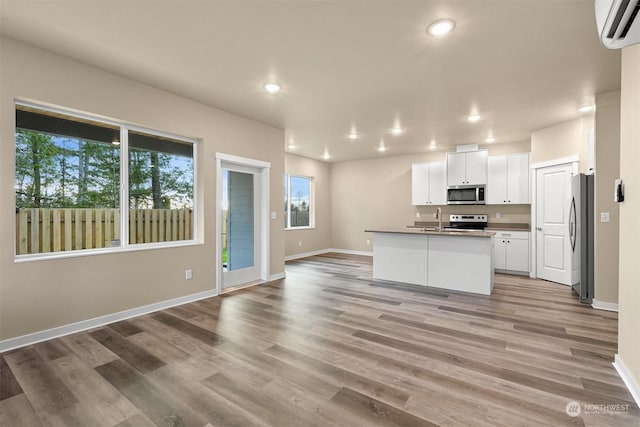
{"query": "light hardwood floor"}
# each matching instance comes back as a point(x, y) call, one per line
point(328, 346)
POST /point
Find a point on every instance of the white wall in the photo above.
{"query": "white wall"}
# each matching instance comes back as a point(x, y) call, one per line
point(44, 294)
point(629, 292)
point(377, 193)
point(607, 169)
point(563, 140)
point(317, 238)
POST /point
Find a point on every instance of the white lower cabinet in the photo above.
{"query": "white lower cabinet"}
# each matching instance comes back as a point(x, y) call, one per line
point(511, 251)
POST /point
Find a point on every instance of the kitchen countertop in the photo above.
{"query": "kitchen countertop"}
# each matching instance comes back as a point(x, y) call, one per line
point(412, 230)
point(492, 226)
point(515, 226)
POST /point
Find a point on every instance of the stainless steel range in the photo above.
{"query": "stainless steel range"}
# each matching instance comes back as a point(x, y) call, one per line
point(470, 222)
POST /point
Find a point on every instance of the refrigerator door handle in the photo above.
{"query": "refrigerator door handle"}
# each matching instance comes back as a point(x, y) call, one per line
point(572, 224)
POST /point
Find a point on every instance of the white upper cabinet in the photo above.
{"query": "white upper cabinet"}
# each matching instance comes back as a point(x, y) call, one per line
point(428, 185)
point(467, 168)
point(508, 179)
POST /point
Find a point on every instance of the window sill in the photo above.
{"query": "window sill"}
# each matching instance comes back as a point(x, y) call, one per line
point(103, 251)
point(310, 227)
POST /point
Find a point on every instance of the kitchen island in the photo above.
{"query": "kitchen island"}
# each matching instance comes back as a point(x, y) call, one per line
point(455, 260)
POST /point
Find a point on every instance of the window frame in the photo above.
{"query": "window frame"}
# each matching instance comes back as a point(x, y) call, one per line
point(124, 127)
point(312, 202)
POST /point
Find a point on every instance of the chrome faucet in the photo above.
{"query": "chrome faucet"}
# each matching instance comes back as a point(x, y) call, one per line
point(439, 217)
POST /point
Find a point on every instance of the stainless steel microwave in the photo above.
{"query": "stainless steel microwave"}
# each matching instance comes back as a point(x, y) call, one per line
point(466, 195)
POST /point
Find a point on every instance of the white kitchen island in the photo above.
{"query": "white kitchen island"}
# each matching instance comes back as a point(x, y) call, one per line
point(455, 260)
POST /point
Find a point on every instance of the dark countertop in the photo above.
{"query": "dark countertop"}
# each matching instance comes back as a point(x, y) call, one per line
point(514, 226)
point(414, 230)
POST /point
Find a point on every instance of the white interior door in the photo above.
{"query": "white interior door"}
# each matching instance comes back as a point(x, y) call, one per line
point(242, 224)
point(553, 202)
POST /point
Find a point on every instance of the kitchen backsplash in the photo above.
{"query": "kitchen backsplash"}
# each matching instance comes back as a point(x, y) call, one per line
point(507, 213)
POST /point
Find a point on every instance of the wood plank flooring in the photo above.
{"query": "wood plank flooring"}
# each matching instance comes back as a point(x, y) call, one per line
point(327, 346)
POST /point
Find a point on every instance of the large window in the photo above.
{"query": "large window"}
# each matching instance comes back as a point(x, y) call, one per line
point(68, 192)
point(298, 203)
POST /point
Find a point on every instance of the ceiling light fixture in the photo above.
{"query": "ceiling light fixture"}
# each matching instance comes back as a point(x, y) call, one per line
point(397, 130)
point(326, 156)
point(382, 148)
point(115, 142)
point(474, 117)
point(586, 108)
point(441, 27)
point(272, 87)
point(490, 139)
point(353, 135)
point(291, 146)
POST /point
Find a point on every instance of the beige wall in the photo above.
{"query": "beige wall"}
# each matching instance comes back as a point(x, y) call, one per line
point(44, 294)
point(562, 140)
point(377, 193)
point(607, 169)
point(629, 292)
point(319, 237)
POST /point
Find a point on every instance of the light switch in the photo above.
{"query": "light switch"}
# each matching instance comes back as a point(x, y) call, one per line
point(274, 215)
point(605, 217)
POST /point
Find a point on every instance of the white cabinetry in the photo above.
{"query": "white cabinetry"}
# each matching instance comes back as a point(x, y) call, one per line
point(467, 168)
point(508, 179)
point(428, 185)
point(511, 251)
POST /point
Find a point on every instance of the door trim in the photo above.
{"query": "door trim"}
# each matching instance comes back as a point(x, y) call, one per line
point(264, 171)
point(573, 161)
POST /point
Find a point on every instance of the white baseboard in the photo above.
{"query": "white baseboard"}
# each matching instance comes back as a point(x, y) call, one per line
point(350, 252)
point(278, 276)
point(306, 254)
point(72, 328)
point(601, 305)
point(324, 251)
point(634, 388)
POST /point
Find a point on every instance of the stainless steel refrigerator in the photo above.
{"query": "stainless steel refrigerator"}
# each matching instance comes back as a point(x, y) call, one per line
point(581, 234)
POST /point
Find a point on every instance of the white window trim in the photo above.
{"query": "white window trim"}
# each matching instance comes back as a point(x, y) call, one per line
point(312, 203)
point(125, 127)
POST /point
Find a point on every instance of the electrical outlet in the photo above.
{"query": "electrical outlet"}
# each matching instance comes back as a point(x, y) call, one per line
point(368, 242)
point(417, 214)
point(435, 214)
point(299, 242)
point(605, 217)
point(274, 215)
point(498, 215)
point(188, 274)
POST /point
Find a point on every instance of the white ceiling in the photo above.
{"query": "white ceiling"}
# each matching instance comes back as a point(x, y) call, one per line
point(343, 65)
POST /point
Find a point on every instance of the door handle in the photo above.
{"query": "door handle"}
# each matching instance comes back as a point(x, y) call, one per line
point(539, 228)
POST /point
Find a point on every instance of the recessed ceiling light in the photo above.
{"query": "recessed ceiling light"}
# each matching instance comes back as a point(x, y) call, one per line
point(586, 108)
point(490, 139)
point(291, 146)
point(382, 148)
point(115, 142)
point(474, 117)
point(397, 130)
point(272, 87)
point(432, 147)
point(326, 156)
point(441, 27)
point(353, 135)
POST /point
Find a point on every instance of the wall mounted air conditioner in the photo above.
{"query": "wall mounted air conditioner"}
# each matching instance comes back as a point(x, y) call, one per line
point(618, 22)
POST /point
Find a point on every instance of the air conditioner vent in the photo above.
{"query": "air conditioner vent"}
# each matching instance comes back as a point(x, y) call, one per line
point(632, 18)
point(618, 22)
